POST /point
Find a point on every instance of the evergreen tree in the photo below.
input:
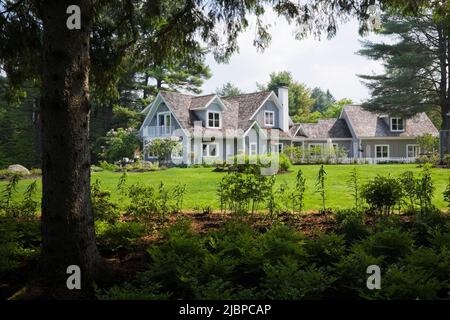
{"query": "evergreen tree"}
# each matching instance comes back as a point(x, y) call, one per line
point(322, 99)
point(416, 76)
point(229, 90)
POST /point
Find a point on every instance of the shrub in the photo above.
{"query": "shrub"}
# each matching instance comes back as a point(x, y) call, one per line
point(353, 185)
point(19, 242)
point(120, 143)
point(104, 209)
point(382, 193)
point(326, 249)
point(108, 166)
point(129, 291)
point(406, 283)
point(447, 193)
point(118, 235)
point(391, 245)
point(351, 225)
point(286, 281)
point(239, 192)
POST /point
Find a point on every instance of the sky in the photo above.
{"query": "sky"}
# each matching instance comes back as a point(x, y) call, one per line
point(328, 64)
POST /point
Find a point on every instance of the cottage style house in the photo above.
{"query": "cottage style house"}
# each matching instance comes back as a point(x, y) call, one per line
point(214, 128)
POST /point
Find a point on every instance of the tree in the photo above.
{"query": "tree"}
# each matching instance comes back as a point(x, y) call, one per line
point(416, 77)
point(185, 74)
point(68, 63)
point(300, 100)
point(228, 90)
point(162, 148)
point(334, 109)
point(118, 144)
point(322, 99)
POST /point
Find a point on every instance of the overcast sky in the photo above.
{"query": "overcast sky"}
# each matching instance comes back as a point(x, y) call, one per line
point(329, 64)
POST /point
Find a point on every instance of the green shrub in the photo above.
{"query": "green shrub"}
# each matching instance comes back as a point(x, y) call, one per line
point(118, 235)
point(240, 192)
point(108, 166)
point(382, 193)
point(447, 193)
point(434, 262)
point(406, 283)
point(351, 225)
point(287, 281)
point(19, 242)
point(326, 249)
point(128, 291)
point(102, 206)
point(391, 245)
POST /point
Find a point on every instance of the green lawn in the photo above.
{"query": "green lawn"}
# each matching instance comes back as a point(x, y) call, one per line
point(202, 182)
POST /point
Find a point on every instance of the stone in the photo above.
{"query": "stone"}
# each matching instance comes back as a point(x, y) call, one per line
point(19, 169)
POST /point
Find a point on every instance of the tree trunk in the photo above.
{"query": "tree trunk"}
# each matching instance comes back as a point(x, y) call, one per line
point(68, 236)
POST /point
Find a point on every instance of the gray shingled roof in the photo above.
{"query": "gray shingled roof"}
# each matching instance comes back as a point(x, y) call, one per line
point(248, 103)
point(369, 124)
point(200, 102)
point(326, 128)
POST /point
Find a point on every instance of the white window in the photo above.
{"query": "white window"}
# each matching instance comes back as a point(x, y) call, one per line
point(412, 150)
point(210, 150)
point(397, 124)
point(214, 120)
point(253, 149)
point(164, 122)
point(269, 118)
point(382, 151)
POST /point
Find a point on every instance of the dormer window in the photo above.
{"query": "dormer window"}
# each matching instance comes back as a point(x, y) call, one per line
point(397, 124)
point(214, 120)
point(269, 118)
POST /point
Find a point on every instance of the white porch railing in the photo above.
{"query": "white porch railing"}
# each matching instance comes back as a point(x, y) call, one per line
point(348, 160)
point(158, 131)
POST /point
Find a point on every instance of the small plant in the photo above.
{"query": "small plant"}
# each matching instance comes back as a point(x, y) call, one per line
point(447, 194)
point(9, 191)
point(300, 187)
point(353, 184)
point(104, 209)
point(178, 195)
point(122, 184)
point(320, 185)
point(29, 206)
point(425, 189)
point(382, 193)
point(409, 184)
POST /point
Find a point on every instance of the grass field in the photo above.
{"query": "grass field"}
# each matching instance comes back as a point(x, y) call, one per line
point(202, 183)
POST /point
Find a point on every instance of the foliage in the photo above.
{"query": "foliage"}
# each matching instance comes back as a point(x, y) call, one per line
point(414, 64)
point(19, 242)
point(118, 235)
point(350, 223)
point(228, 90)
point(382, 193)
point(428, 144)
point(162, 148)
point(104, 209)
point(239, 192)
point(390, 244)
point(147, 201)
point(300, 188)
point(354, 186)
point(320, 185)
point(108, 166)
point(300, 100)
point(120, 143)
point(446, 193)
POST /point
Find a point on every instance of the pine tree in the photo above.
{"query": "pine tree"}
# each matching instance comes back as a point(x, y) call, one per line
point(416, 76)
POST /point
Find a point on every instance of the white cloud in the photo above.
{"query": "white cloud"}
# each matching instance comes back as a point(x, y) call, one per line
point(329, 64)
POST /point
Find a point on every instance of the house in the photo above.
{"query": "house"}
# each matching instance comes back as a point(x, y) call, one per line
point(212, 128)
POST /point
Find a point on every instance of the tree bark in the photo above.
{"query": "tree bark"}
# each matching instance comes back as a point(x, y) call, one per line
point(68, 236)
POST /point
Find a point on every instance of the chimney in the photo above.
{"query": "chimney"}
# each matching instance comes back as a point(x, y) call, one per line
point(283, 97)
